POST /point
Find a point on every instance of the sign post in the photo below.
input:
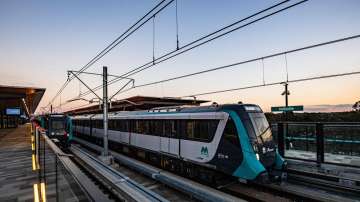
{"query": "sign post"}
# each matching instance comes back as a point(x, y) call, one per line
point(287, 108)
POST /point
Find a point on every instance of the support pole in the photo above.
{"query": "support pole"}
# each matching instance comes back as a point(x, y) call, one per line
point(281, 138)
point(286, 114)
point(319, 144)
point(286, 95)
point(105, 107)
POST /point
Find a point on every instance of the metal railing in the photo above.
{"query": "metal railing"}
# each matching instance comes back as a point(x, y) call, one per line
point(322, 142)
point(55, 181)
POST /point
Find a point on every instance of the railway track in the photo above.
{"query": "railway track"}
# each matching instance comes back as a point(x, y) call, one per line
point(241, 191)
point(120, 185)
point(331, 185)
point(298, 187)
point(343, 184)
point(189, 188)
point(149, 183)
point(96, 180)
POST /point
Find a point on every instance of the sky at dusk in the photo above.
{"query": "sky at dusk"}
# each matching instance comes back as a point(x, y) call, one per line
point(41, 40)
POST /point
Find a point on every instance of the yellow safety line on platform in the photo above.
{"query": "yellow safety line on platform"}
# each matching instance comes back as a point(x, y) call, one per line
point(43, 192)
point(33, 162)
point(36, 193)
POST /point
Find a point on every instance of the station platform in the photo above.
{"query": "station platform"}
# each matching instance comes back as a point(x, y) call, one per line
point(331, 158)
point(17, 178)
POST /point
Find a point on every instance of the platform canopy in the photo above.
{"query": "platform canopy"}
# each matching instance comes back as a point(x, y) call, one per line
point(25, 98)
point(138, 103)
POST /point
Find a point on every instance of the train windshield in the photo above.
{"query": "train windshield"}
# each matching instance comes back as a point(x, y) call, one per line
point(57, 125)
point(261, 127)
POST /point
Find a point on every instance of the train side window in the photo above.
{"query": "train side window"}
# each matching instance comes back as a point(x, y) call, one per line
point(135, 126)
point(171, 128)
point(142, 126)
point(99, 124)
point(174, 129)
point(201, 130)
point(158, 127)
point(230, 133)
point(139, 126)
point(132, 125)
point(167, 128)
point(190, 126)
point(152, 127)
point(213, 125)
point(120, 125)
point(147, 129)
point(126, 125)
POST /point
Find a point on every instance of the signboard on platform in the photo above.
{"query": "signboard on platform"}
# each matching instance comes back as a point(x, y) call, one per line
point(287, 109)
point(12, 111)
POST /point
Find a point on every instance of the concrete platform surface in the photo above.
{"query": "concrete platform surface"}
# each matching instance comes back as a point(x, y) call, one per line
point(330, 158)
point(16, 175)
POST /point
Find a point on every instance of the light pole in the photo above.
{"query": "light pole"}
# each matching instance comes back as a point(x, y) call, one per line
point(286, 93)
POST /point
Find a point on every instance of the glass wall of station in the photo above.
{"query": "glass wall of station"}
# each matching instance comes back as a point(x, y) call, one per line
point(9, 121)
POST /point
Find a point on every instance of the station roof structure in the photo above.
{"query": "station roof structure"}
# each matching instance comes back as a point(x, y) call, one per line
point(27, 98)
point(138, 103)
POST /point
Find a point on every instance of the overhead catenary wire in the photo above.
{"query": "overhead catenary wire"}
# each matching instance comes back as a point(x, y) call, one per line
point(272, 84)
point(249, 61)
point(116, 41)
point(175, 53)
point(169, 54)
point(114, 44)
point(127, 35)
point(223, 34)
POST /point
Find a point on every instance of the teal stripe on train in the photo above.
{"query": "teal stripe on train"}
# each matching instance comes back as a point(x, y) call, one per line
point(250, 167)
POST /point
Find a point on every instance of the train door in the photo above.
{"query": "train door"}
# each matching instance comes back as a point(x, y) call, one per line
point(169, 142)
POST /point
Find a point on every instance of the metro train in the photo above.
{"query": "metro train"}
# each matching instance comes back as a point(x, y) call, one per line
point(58, 127)
point(197, 142)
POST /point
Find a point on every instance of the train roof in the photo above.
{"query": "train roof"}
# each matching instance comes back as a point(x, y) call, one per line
point(137, 103)
point(162, 110)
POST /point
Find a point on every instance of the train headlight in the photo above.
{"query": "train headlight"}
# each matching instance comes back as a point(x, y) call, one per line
point(257, 156)
point(52, 133)
point(255, 148)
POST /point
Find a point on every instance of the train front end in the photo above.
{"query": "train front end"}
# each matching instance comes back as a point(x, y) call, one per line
point(261, 160)
point(60, 128)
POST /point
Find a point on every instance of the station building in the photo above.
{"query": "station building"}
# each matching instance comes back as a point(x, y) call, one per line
point(17, 103)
